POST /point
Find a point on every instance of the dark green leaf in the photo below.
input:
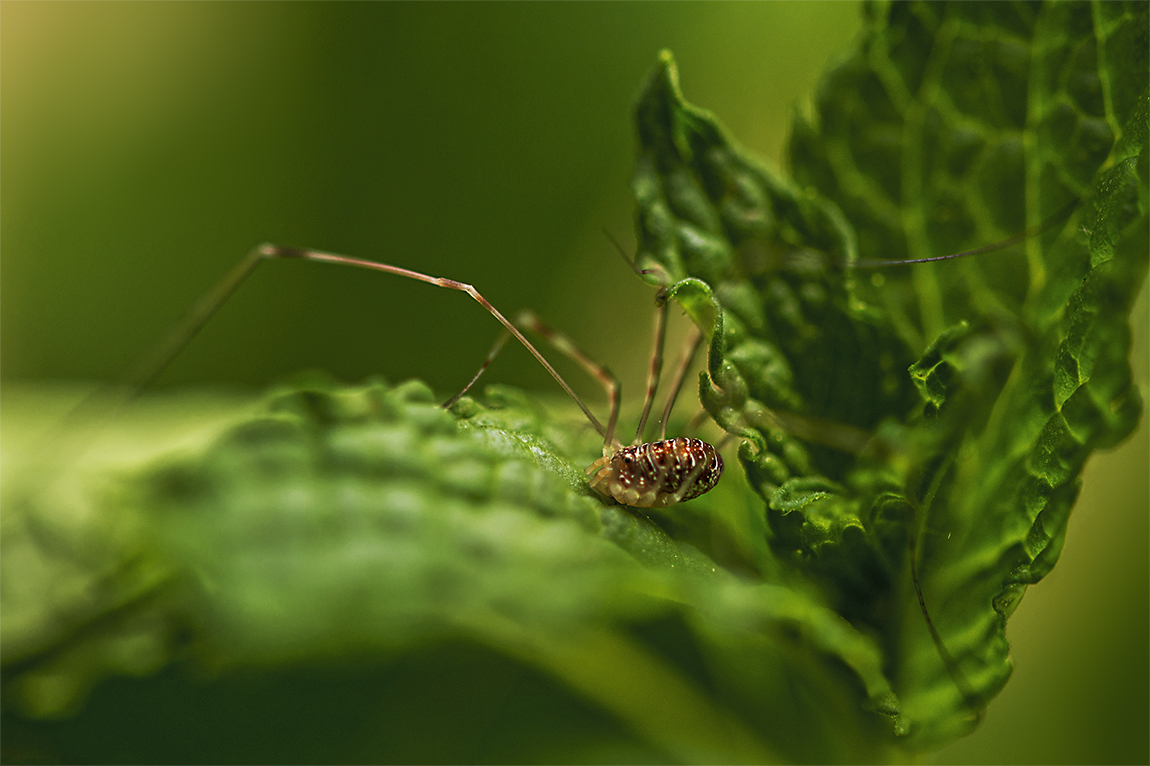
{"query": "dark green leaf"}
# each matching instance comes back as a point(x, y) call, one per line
point(355, 574)
point(950, 127)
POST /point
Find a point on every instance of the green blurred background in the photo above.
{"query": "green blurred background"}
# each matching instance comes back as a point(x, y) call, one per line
point(147, 147)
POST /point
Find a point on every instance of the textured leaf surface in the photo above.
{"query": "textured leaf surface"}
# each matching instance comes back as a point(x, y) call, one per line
point(355, 574)
point(950, 127)
point(336, 525)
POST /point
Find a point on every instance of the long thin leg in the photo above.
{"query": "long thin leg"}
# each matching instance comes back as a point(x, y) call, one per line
point(527, 320)
point(1061, 215)
point(108, 398)
point(661, 276)
point(690, 348)
point(656, 367)
point(500, 342)
point(152, 365)
point(147, 369)
point(567, 347)
point(969, 695)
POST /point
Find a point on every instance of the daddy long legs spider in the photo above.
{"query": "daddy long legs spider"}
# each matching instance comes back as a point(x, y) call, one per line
point(642, 474)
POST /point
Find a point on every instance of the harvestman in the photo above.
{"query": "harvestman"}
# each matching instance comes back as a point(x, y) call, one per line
point(643, 474)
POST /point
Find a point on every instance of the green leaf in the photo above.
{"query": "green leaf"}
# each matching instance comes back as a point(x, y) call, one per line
point(334, 525)
point(355, 574)
point(948, 128)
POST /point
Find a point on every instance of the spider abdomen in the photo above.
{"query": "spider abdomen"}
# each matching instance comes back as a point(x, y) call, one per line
point(657, 474)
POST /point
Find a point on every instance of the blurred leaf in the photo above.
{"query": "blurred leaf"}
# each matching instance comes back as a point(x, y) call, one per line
point(358, 525)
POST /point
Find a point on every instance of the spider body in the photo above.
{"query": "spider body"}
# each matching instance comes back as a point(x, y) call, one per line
point(657, 474)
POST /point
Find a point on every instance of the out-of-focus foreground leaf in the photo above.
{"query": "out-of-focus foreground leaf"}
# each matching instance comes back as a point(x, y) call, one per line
point(355, 574)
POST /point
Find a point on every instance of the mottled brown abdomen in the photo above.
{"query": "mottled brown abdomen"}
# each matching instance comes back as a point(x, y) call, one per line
point(657, 474)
